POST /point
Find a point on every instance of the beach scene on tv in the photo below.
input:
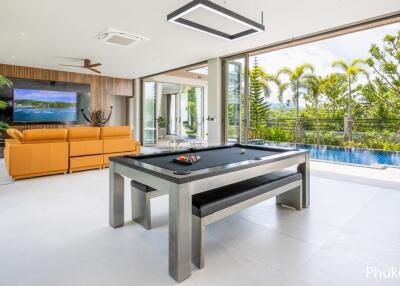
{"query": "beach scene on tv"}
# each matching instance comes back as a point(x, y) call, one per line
point(32, 105)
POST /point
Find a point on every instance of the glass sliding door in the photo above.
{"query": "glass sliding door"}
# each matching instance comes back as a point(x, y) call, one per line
point(172, 111)
point(149, 113)
point(236, 110)
point(191, 112)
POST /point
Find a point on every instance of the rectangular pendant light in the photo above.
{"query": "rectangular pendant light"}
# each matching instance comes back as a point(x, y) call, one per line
point(177, 17)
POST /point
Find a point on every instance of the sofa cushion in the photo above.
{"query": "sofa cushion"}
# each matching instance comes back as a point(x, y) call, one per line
point(15, 134)
point(86, 147)
point(44, 135)
point(83, 133)
point(119, 145)
point(85, 162)
point(115, 132)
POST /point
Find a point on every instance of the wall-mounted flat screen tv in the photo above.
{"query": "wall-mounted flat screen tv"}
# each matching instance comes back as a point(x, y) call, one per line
point(34, 105)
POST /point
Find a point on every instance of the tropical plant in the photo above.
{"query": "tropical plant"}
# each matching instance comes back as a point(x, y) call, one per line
point(3, 127)
point(161, 122)
point(384, 90)
point(3, 105)
point(352, 71)
point(4, 82)
point(333, 87)
point(313, 94)
point(297, 79)
point(259, 107)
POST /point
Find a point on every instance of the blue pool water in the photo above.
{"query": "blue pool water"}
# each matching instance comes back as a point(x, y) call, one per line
point(28, 114)
point(350, 156)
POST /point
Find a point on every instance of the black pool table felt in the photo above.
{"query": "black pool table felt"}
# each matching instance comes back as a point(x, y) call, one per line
point(209, 158)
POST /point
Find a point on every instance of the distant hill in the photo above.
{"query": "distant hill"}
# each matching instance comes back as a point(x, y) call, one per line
point(42, 104)
point(277, 105)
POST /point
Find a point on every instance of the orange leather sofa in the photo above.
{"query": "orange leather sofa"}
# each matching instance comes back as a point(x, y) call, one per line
point(41, 152)
point(85, 148)
point(36, 152)
point(117, 141)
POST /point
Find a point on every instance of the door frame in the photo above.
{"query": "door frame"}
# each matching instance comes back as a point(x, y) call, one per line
point(180, 85)
point(246, 92)
point(142, 84)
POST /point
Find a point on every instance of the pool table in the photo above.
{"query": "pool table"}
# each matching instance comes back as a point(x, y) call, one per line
point(218, 166)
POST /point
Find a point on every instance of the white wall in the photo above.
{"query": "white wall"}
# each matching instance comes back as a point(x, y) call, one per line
point(214, 102)
point(118, 116)
point(136, 109)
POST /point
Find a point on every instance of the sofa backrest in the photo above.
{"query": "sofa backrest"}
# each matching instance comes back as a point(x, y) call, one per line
point(44, 136)
point(15, 134)
point(83, 133)
point(115, 132)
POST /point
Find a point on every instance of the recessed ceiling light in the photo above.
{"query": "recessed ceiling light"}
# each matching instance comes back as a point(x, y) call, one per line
point(13, 57)
point(22, 34)
point(177, 18)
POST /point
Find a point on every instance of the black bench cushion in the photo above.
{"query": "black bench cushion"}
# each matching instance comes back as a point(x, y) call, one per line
point(206, 203)
point(141, 187)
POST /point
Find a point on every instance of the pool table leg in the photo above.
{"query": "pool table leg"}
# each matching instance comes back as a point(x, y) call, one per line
point(304, 168)
point(116, 199)
point(141, 208)
point(180, 232)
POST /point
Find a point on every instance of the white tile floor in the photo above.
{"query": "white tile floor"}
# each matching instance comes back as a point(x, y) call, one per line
point(54, 231)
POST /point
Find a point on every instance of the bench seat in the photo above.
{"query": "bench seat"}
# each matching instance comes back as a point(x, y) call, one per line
point(216, 204)
point(209, 202)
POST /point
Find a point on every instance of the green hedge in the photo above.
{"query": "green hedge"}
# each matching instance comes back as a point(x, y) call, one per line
point(373, 139)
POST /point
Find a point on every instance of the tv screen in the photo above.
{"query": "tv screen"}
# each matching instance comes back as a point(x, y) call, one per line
point(34, 105)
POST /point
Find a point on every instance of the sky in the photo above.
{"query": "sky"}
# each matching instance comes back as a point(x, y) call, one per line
point(322, 53)
point(44, 95)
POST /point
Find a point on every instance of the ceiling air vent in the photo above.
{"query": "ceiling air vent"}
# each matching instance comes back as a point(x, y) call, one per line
point(120, 38)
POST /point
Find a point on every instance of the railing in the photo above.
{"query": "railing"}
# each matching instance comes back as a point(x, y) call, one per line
point(336, 125)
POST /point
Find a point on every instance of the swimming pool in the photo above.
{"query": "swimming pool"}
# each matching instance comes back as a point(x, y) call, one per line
point(349, 156)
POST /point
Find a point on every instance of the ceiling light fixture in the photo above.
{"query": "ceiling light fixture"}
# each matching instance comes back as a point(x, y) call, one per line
point(177, 18)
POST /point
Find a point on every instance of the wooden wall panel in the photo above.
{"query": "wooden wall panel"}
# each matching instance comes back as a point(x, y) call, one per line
point(101, 87)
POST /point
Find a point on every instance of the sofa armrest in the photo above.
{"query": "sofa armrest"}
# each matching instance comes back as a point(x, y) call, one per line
point(32, 159)
point(138, 147)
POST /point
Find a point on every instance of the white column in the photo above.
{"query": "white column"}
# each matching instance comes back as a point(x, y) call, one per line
point(136, 108)
point(214, 103)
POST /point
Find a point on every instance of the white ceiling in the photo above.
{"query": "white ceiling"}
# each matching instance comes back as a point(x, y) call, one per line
point(45, 33)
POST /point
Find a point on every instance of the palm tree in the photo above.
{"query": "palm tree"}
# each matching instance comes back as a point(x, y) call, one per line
point(260, 90)
point(4, 82)
point(259, 107)
point(297, 79)
point(314, 91)
point(266, 79)
point(352, 71)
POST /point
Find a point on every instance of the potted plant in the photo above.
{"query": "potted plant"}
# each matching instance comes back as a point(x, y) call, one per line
point(3, 105)
point(162, 130)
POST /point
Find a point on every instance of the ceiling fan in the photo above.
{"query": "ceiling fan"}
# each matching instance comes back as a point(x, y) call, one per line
point(86, 65)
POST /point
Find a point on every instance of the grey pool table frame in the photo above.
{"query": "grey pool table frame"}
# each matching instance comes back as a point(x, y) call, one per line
point(181, 188)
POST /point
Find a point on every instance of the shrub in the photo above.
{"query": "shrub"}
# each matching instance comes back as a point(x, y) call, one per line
point(276, 134)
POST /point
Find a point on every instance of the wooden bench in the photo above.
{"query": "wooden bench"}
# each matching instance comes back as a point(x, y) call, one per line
point(216, 204)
